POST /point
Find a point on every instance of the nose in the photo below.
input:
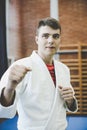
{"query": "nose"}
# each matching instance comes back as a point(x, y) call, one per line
point(50, 39)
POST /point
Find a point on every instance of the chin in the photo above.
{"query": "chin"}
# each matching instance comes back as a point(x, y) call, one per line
point(51, 54)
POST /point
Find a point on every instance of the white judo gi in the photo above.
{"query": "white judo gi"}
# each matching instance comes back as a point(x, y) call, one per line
point(37, 100)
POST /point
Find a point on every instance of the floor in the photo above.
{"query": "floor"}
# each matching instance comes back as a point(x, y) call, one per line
point(74, 123)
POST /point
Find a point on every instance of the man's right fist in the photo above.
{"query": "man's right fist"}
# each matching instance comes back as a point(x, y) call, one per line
point(16, 74)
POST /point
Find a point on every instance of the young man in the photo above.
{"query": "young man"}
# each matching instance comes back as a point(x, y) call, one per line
point(38, 87)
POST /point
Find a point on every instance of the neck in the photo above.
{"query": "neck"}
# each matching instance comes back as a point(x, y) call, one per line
point(47, 59)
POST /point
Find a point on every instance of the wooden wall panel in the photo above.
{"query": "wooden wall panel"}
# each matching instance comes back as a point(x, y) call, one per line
point(75, 57)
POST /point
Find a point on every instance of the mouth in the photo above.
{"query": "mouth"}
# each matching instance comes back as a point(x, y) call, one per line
point(50, 47)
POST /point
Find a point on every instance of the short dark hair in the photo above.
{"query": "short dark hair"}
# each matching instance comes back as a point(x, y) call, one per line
point(49, 21)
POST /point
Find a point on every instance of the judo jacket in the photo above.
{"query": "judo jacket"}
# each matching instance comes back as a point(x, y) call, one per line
point(37, 99)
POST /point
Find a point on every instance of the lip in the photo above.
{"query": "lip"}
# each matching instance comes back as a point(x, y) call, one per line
point(51, 47)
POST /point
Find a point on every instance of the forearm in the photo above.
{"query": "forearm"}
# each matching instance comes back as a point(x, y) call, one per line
point(7, 96)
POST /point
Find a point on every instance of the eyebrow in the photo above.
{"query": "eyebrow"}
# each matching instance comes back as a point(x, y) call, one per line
point(51, 34)
point(55, 34)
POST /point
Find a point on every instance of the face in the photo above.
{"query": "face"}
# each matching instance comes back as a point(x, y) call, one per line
point(48, 41)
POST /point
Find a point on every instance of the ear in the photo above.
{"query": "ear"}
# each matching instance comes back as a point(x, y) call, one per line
point(36, 39)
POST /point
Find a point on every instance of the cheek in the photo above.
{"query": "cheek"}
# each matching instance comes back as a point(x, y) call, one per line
point(42, 42)
point(57, 46)
point(58, 43)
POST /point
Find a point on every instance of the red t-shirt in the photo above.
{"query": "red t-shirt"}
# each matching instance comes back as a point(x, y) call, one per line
point(52, 72)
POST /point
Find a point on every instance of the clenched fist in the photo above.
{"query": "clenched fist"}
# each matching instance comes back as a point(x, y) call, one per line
point(67, 94)
point(16, 74)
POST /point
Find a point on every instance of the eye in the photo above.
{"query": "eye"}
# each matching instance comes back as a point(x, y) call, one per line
point(56, 36)
point(46, 35)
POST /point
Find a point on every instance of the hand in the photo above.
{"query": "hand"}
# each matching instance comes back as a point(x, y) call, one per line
point(67, 94)
point(16, 74)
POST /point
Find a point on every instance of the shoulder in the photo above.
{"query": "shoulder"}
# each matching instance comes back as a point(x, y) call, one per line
point(24, 61)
